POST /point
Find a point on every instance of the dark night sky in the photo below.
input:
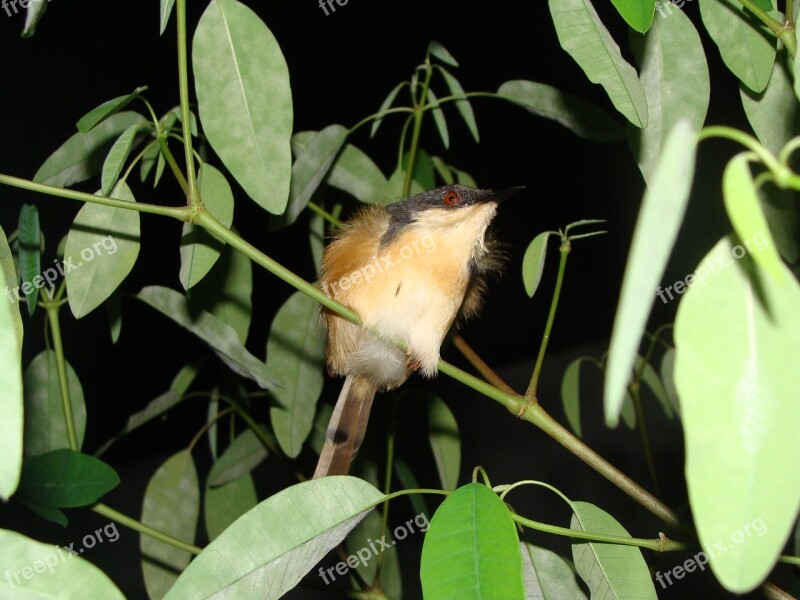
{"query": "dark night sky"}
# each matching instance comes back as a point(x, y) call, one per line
point(341, 67)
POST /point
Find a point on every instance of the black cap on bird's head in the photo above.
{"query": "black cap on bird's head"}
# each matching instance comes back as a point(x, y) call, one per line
point(446, 197)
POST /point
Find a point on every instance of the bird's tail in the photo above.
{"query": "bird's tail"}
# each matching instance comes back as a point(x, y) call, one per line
point(347, 427)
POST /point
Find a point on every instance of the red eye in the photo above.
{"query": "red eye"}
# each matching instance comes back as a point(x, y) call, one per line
point(451, 198)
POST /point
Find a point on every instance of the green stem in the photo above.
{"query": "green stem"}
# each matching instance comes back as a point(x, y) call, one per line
point(530, 394)
point(51, 308)
point(419, 112)
point(783, 175)
point(176, 212)
point(325, 214)
point(636, 393)
point(127, 521)
point(173, 164)
point(774, 26)
point(206, 220)
point(183, 85)
point(662, 544)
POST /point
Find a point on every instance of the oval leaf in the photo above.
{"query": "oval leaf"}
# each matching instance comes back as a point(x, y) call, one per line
point(295, 355)
point(675, 77)
point(737, 371)
point(220, 336)
point(357, 174)
point(81, 157)
point(244, 454)
point(66, 479)
point(224, 504)
point(45, 429)
point(472, 540)
point(30, 255)
point(97, 115)
point(610, 570)
point(11, 402)
point(747, 49)
point(439, 120)
point(656, 229)
point(10, 278)
point(464, 107)
point(260, 557)
point(102, 247)
point(533, 262)
point(68, 577)
point(112, 167)
point(637, 13)
point(583, 118)
point(171, 505)
point(585, 38)
point(547, 576)
point(744, 211)
point(245, 101)
point(445, 442)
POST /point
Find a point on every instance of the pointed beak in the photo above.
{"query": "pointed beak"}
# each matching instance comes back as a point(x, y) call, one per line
point(500, 195)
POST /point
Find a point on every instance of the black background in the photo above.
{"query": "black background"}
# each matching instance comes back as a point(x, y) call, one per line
point(342, 66)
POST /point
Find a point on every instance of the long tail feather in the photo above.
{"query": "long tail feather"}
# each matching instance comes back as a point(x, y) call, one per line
point(346, 428)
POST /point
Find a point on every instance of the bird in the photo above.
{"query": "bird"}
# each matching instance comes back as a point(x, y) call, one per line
point(410, 270)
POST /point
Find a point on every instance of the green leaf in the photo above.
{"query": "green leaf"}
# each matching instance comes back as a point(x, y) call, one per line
point(244, 454)
point(199, 248)
point(45, 429)
point(445, 442)
point(311, 167)
point(171, 505)
point(36, 10)
point(773, 113)
point(114, 314)
point(220, 336)
point(585, 119)
point(547, 576)
point(651, 379)
point(65, 479)
point(472, 540)
point(260, 556)
point(610, 570)
point(48, 513)
point(668, 377)
point(637, 13)
point(462, 177)
point(149, 158)
point(439, 120)
point(464, 107)
point(657, 226)
point(394, 187)
point(295, 355)
point(674, 74)
point(440, 52)
point(68, 577)
point(570, 394)
point(102, 247)
point(737, 371)
point(357, 174)
point(166, 11)
point(226, 292)
point(81, 157)
point(386, 105)
point(10, 279)
point(11, 402)
point(245, 101)
point(443, 170)
point(423, 169)
point(781, 214)
point(533, 262)
point(30, 255)
point(747, 48)
point(585, 38)
point(112, 167)
point(225, 504)
point(97, 115)
point(744, 210)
